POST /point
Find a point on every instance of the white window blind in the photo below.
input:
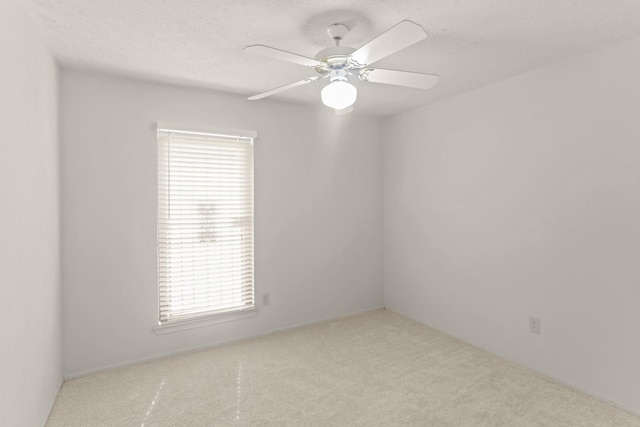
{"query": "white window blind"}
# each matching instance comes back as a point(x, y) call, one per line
point(205, 224)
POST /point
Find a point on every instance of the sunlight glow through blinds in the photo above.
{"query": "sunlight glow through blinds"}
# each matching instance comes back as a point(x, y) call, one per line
point(205, 224)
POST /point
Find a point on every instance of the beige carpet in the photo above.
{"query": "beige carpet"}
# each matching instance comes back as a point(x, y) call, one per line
point(374, 369)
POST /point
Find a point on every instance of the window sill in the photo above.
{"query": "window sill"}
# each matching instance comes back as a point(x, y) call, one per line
point(204, 321)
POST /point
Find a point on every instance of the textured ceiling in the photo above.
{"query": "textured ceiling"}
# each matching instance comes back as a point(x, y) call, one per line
point(199, 42)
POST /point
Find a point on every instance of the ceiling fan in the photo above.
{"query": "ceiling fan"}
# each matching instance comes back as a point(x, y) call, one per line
point(339, 63)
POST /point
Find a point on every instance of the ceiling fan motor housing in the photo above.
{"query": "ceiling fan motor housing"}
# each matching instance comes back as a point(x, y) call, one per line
point(335, 57)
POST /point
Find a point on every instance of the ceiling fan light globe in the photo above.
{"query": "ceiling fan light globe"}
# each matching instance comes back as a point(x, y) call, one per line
point(339, 95)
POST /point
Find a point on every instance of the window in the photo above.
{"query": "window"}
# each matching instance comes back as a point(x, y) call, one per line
point(205, 223)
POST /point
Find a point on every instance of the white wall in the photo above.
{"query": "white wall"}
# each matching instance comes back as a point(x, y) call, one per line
point(30, 319)
point(318, 213)
point(519, 199)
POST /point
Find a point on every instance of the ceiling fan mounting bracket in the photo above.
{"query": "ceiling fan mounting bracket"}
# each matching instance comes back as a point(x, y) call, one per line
point(337, 32)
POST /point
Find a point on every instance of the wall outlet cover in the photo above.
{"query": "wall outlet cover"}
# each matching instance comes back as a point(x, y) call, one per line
point(534, 325)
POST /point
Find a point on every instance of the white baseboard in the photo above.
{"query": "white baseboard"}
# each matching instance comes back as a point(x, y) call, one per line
point(555, 378)
point(86, 373)
point(51, 405)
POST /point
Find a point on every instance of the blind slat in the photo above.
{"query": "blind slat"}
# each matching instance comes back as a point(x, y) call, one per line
point(201, 295)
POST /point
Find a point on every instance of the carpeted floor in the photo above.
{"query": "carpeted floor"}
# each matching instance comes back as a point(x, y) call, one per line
point(373, 369)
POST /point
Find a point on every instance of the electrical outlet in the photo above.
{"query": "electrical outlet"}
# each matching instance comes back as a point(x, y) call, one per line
point(534, 325)
point(266, 300)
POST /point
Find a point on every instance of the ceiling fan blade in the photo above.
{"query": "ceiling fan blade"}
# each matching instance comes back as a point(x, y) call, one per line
point(399, 78)
point(283, 88)
point(394, 39)
point(283, 55)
